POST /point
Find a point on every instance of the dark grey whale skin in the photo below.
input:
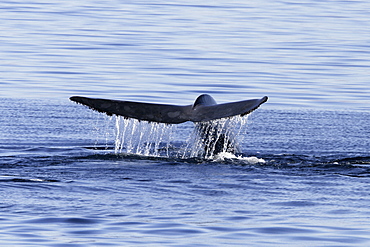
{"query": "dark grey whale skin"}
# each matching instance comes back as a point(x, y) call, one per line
point(204, 109)
point(215, 138)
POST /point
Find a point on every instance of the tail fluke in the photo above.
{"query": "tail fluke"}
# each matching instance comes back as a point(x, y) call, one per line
point(212, 112)
point(171, 114)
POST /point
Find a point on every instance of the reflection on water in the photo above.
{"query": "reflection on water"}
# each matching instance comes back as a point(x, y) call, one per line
point(303, 176)
point(120, 200)
point(311, 54)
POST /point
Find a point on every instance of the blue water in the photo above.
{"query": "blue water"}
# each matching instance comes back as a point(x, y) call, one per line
point(302, 179)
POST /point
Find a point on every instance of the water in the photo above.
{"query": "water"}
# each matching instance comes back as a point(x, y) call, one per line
point(307, 54)
point(159, 139)
point(303, 176)
point(67, 179)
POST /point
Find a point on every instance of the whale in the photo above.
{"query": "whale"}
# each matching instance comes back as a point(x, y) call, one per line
point(204, 112)
point(203, 109)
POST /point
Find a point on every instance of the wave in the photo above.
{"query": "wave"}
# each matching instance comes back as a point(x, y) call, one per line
point(38, 158)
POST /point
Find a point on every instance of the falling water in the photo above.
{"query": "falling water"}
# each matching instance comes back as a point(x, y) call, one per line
point(142, 138)
point(216, 136)
point(155, 139)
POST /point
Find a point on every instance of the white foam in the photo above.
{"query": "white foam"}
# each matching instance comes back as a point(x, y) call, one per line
point(230, 156)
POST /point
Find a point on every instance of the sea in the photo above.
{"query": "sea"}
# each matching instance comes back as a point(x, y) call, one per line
point(70, 176)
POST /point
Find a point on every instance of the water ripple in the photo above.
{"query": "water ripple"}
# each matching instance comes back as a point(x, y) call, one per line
point(303, 174)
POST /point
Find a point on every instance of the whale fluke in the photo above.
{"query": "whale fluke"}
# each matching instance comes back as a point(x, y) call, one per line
point(204, 109)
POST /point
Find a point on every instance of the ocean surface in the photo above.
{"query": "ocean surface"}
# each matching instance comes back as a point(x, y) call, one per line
point(70, 176)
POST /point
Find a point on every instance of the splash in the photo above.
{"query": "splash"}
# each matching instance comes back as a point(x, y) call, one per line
point(156, 139)
point(142, 138)
point(216, 136)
